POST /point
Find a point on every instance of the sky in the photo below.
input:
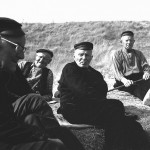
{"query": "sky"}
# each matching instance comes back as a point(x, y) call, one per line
point(60, 11)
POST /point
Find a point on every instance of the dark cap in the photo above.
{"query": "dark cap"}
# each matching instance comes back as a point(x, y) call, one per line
point(84, 46)
point(129, 33)
point(10, 27)
point(46, 51)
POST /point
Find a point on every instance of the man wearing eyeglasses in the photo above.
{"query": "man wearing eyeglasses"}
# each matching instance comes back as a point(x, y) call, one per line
point(39, 77)
point(26, 120)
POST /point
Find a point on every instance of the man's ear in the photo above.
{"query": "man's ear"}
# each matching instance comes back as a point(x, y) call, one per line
point(49, 61)
point(73, 55)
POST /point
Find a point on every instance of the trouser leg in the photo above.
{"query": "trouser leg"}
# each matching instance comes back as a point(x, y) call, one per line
point(141, 89)
point(64, 134)
point(108, 112)
point(128, 134)
point(67, 137)
point(123, 132)
point(34, 104)
point(40, 145)
point(35, 111)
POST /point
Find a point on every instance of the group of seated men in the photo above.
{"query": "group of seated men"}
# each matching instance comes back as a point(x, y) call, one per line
point(26, 120)
point(130, 67)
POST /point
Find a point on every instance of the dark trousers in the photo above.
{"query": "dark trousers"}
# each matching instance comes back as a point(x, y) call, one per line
point(95, 113)
point(121, 132)
point(35, 111)
point(32, 104)
point(138, 89)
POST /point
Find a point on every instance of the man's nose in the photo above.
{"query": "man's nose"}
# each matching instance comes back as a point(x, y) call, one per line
point(41, 59)
point(83, 56)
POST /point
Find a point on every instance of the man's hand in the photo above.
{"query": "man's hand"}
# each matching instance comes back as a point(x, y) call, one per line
point(146, 76)
point(126, 82)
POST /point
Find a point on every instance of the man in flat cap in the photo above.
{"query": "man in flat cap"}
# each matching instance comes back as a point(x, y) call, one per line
point(39, 77)
point(83, 101)
point(26, 120)
point(130, 65)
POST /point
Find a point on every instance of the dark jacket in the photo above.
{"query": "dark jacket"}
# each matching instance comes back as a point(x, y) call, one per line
point(18, 85)
point(11, 130)
point(81, 86)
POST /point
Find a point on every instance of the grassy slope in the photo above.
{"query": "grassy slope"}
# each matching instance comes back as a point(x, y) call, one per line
point(105, 36)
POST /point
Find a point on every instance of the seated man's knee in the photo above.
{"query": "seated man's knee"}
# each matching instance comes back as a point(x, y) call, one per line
point(36, 100)
point(116, 102)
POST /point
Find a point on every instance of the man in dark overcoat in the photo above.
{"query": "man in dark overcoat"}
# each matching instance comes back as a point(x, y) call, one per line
point(83, 100)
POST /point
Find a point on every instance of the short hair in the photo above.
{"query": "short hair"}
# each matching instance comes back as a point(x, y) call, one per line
point(129, 33)
point(10, 27)
point(46, 51)
point(84, 46)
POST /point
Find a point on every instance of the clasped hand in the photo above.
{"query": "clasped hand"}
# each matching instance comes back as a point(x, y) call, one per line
point(127, 82)
point(146, 76)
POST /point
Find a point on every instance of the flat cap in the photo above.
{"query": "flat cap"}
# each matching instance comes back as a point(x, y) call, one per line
point(46, 51)
point(84, 46)
point(10, 27)
point(130, 33)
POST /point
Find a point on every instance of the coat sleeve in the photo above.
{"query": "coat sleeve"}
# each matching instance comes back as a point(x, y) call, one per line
point(117, 66)
point(49, 87)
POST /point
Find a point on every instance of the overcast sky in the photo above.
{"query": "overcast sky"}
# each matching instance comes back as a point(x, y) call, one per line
point(57, 11)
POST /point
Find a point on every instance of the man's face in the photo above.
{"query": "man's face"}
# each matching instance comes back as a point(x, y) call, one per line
point(127, 42)
point(83, 57)
point(42, 59)
point(10, 54)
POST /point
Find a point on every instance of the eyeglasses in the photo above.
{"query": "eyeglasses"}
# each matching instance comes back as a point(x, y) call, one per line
point(18, 47)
